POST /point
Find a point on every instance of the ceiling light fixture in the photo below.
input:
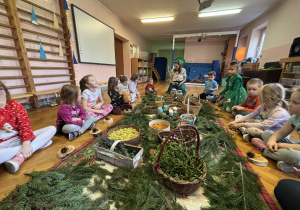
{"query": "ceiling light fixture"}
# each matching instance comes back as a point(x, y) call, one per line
point(157, 19)
point(217, 13)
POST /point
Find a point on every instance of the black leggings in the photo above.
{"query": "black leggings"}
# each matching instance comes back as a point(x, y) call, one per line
point(287, 193)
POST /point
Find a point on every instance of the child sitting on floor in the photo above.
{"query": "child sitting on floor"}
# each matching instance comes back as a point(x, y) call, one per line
point(273, 111)
point(150, 89)
point(132, 86)
point(124, 90)
point(91, 93)
point(17, 141)
point(71, 118)
point(277, 147)
point(252, 101)
point(235, 92)
point(116, 97)
point(210, 86)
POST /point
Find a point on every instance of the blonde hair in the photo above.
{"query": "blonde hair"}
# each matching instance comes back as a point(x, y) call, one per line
point(275, 93)
point(257, 81)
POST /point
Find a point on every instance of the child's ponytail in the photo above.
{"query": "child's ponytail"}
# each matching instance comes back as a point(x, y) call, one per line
point(83, 82)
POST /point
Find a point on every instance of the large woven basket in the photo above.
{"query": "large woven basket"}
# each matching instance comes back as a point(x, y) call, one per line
point(181, 186)
point(193, 108)
point(186, 136)
point(134, 141)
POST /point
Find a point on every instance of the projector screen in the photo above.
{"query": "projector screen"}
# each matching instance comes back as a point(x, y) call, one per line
point(95, 40)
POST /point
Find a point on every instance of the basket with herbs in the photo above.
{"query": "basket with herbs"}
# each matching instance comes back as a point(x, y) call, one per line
point(178, 167)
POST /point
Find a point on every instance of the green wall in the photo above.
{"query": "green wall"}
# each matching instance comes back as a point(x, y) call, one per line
point(168, 54)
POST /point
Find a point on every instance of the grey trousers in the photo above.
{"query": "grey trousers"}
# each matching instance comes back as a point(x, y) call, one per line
point(68, 128)
point(288, 155)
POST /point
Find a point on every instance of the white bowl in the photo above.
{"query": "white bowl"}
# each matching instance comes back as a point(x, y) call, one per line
point(156, 131)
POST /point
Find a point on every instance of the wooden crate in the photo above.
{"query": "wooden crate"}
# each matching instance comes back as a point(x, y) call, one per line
point(118, 159)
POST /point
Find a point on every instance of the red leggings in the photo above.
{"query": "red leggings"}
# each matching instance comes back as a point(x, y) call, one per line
point(118, 110)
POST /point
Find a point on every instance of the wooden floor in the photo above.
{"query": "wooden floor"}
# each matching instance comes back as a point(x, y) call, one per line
point(46, 158)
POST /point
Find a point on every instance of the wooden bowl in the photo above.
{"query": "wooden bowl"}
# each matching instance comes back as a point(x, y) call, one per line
point(65, 151)
point(95, 132)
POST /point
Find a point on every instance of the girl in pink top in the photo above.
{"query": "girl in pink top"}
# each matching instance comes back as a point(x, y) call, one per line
point(273, 111)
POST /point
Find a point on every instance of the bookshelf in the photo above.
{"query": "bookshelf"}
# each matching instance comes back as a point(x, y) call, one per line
point(141, 67)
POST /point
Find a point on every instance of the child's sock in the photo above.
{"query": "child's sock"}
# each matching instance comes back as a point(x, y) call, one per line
point(14, 164)
point(283, 166)
point(259, 144)
point(297, 171)
point(73, 135)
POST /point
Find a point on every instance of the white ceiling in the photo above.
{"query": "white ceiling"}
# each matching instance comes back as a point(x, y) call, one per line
point(186, 15)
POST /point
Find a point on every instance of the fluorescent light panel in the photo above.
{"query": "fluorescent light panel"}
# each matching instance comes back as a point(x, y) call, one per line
point(217, 13)
point(157, 19)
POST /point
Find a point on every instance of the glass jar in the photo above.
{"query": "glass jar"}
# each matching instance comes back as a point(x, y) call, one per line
point(179, 95)
point(173, 92)
point(159, 101)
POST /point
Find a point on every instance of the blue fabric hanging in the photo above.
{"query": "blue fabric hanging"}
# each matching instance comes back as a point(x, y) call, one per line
point(33, 17)
point(42, 52)
point(70, 33)
point(74, 59)
point(65, 5)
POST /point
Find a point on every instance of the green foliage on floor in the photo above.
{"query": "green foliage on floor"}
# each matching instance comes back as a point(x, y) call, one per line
point(228, 184)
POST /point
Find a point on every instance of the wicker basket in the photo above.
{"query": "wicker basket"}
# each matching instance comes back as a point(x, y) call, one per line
point(134, 141)
point(187, 135)
point(169, 100)
point(182, 187)
point(151, 109)
point(193, 109)
point(174, 104)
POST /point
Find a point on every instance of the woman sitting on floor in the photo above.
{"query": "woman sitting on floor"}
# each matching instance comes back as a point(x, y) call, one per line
point(177, 78)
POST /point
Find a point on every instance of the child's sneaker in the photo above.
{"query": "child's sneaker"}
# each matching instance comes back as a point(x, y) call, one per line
point(73, 135)
point(243, 130)
point(47, 144)
point(14, 164)
point(283, 166)
point(259, 144)
point(238, 116)
point(91, 126)
point(246, 137)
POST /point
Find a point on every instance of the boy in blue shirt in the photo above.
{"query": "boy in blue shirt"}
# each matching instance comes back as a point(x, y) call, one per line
point(210, 86)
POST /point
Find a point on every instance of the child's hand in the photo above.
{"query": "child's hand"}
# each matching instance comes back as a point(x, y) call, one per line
point(26, 149)
point(272, 145)
point(238, 125)
point(75, 119)
point(138, 94)
point(99, 111)
point(83, 121)
point(237, 108)
point(97, 106)
point(228, 101)
point(232, 123)
point(6, 128)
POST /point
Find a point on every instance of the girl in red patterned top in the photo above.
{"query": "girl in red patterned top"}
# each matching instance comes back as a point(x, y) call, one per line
point(17, 140)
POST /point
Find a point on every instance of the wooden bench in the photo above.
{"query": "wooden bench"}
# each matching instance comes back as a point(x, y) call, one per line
point(43, 92)
point(22, 95)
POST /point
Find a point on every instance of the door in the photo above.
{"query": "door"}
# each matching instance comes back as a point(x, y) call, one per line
point(119, 57)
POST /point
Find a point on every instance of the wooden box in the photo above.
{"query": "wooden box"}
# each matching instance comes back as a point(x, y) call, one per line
point(119, 159)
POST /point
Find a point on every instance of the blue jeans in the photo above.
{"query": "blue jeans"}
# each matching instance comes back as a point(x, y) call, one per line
point(181, 87)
